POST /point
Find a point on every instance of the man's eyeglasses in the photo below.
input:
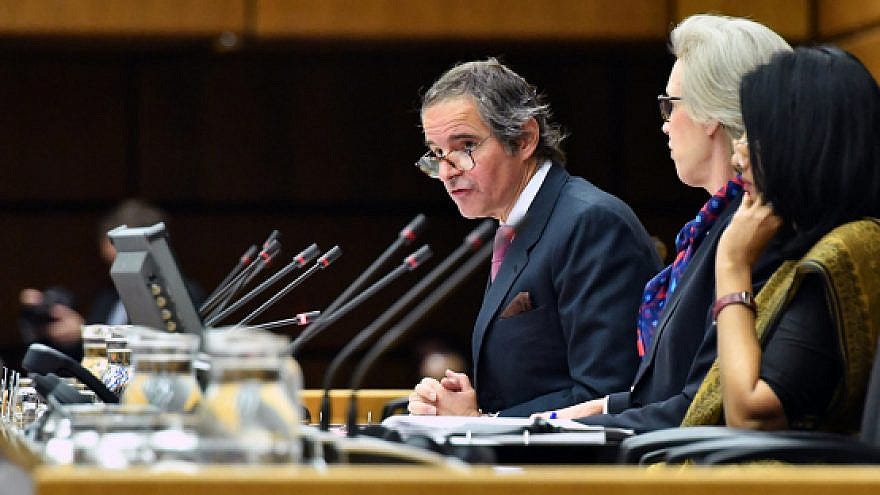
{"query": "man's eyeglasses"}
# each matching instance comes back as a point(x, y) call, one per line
point(462, 159)
point(665, 102)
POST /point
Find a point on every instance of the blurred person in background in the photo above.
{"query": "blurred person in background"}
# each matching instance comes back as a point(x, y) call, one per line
point(50, 317)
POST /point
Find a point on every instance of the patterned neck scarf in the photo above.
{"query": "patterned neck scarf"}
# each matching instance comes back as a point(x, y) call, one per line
point(659, 288)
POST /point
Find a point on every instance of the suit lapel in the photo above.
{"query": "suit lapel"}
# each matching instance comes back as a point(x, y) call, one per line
point(705, 254)
point(527, 235)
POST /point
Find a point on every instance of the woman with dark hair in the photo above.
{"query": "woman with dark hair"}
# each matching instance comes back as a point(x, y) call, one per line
point(798, 355)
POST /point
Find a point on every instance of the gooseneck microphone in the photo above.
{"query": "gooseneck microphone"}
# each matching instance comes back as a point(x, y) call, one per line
point(244, 262)
point(43, 359)
point(300, 260)
point(246, 259)
point(264, 259)
point(274, 235)
point(406, 236)
point(414, 317)
point(323, 262)
point(472, 242)
point(221, 295)
point(409, 264)
point(301, 319)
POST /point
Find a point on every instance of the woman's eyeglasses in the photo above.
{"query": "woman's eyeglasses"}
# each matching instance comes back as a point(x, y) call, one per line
point(666, 106)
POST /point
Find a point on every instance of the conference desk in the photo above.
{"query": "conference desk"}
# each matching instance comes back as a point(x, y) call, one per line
point(388, 480)
point(450, 479)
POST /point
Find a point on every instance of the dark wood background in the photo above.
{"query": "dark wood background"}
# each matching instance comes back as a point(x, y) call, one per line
point(316, 139)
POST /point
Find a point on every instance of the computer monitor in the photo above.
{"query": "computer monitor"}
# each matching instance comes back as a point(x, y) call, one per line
point(149, 282)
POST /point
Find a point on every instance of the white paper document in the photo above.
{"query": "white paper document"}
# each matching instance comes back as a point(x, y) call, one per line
point(480, 429)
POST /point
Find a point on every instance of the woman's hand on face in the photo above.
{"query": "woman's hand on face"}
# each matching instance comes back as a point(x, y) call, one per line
point(750, 229)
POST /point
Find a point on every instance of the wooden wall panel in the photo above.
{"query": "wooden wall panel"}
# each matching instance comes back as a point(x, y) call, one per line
point(790, 18)
point(462, 19)
point(321, 128)
point(114, 17)
point(425, 19)
point(321, 144)
point(842, 16)
point(317, 140)
point(300, 127)
point(64, 127)
point(866, 46)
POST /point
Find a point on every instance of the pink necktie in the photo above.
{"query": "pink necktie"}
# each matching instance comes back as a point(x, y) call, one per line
point(503, 237)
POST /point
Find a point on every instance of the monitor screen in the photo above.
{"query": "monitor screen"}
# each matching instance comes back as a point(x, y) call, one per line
point(148, 280)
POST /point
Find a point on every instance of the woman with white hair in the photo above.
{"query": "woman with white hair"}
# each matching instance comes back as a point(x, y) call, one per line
point(701, 113)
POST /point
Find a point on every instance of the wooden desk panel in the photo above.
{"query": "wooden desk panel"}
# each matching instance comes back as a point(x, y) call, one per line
point(384, 480)
point(370, 402)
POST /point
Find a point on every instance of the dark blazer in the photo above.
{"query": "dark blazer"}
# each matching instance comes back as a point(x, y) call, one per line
point(684, 346)
point(583, 258)
point(107, 299)
point(103, 304)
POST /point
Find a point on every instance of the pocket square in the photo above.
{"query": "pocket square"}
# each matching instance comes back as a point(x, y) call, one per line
point(521, 303)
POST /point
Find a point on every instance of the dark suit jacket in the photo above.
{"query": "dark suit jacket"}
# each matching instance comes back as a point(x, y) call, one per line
point(106, 300)
point(103, 304)
point(583, 258)
point(684, 346)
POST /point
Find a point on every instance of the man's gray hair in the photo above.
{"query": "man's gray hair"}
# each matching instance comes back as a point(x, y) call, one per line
point(505, 102)
point(715, 52)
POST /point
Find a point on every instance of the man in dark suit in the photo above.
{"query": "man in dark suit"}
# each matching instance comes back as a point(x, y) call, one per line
point(557, 322)
point(701, 113)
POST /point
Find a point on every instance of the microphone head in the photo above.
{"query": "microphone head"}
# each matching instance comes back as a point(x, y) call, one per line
point(329, 257)
point(413, 229)
point(306, 318)
point(270, 251)
point(416, 259)
point(481, 234)
point(274, 235)
point(249, 255)
point(50, 384)
point(42, 359)
point(307, 255)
